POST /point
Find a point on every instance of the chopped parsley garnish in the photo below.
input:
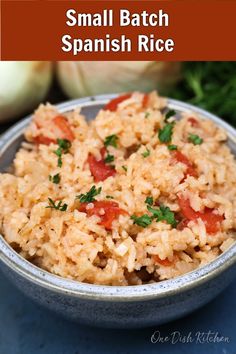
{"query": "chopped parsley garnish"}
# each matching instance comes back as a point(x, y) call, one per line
point(109, 197)
point(149, 200)
point(147, 114)
point(172, 147)
point(124, 168)
point(195, 139)
point(109, 158)
point(64, 146)
point(146, 153)
point(165, 134)
point(159, 214)
point(163, 214)
point(58, 152)
point(111, 140)
point(58, 206)
point(89, 196)
point(169, 114)
point(144, 220)
point(55, 179)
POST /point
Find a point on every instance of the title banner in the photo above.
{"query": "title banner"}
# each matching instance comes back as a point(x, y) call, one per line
point(118, 30)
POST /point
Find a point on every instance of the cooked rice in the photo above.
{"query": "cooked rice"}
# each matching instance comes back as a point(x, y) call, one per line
point(74, 245)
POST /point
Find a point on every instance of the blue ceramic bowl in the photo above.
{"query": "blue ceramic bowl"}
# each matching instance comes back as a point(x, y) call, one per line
point(115, 306)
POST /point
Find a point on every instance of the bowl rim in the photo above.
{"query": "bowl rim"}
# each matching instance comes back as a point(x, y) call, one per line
point(144, 292)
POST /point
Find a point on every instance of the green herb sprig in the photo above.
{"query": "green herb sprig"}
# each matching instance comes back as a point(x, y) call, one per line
point(195, 139)
point(165, 134)
point(58, 206)
point(159, 214)
point(109, 158)
point(149, 201)
point(111, 140)
point(55, 179)
point(172, 147)
point(143, 221)
point(64, 146)
point(89, 197)
point(163, 214)
point(146, 153)
point(169, 114)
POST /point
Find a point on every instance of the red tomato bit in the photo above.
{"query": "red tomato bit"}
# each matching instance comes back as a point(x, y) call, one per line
point(164, 262)
point(99, 169)
point(60, 128)
point(145, 100)
point(40, 139)
point(190, 171)
point(194, 122)
point(108, 211)
point(208, 216)
point(113, 104)
point(63, 125)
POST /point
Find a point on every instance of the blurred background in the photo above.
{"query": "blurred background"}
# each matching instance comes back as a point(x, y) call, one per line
point(23, 85)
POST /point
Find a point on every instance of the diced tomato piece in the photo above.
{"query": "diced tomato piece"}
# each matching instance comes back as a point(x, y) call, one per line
point(211, 220)
point(190, 171)
point(113, 104)
point(40, 139)
point(60, 128)
point(63, 125)
point(194, 122)
point(145, 100)
point(99, 169)
point(164, 262)
point(103, 152)
point(208, 216)
point(186, 209)
point(108, 211)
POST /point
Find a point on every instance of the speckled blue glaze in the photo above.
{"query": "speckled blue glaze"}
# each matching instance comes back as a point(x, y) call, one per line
point(113, 306)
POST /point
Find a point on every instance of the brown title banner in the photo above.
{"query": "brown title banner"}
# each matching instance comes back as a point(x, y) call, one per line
point(118, 30)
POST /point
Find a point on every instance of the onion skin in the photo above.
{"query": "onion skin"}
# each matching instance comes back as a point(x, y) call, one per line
point(23, 85)
point(78, 79)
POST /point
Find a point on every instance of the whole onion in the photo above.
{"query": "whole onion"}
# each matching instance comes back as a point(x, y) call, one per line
point(23, 85)
point(80, 78)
